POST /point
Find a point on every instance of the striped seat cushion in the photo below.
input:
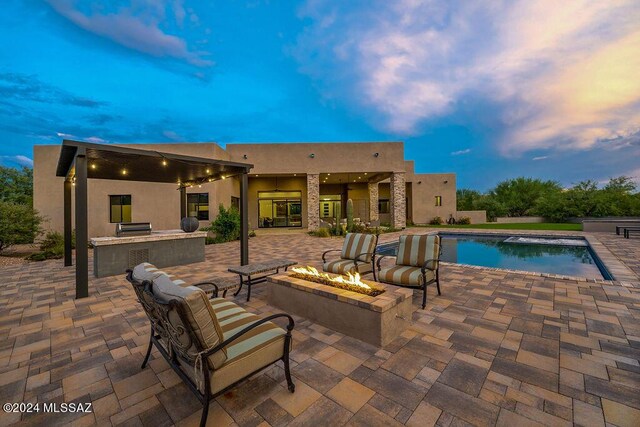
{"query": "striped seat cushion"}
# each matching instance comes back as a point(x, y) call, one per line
point(416, 250)
point(233, 319)
point(356, 244)
point(342, 266)
point(404, 275)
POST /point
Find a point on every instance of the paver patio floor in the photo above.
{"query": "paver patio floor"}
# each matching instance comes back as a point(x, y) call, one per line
point(497, 348)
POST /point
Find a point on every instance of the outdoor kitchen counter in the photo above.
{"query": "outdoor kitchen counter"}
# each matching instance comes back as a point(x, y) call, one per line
point(114, 255)
point(154, 236)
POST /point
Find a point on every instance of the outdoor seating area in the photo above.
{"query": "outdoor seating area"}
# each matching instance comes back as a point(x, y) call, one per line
point(496, 348)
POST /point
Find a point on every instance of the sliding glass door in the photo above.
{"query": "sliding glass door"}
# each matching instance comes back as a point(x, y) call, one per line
point(279, 209)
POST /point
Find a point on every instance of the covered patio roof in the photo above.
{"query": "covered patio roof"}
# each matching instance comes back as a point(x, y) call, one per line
point(133, 164)
point(80, 161)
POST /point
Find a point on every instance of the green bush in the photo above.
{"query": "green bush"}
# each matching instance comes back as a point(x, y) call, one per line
point(321, 232)
point(226, 226)
point(436, 221)
point(51, 247)
point(464, 220)
point(18, 224)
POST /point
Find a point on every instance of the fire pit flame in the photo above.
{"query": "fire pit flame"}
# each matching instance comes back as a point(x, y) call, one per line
point(352, 282)
point(352, 279)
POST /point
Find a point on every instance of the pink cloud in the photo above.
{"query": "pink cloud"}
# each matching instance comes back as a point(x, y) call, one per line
point(134, 31)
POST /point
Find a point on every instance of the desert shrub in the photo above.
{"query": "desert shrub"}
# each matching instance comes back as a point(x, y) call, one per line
point(252, 233)
point(436, 221)
point(464, 220)
point(358, 227)
point(226, 226)
point(321, 232)
point(51, 247)
point(18, 224)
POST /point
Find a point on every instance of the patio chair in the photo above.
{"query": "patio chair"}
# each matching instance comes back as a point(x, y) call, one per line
point(416, 266)
point(357, 255)
point(211, 344)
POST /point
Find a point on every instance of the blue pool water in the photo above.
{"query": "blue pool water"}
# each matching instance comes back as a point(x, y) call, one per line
point(493, 251)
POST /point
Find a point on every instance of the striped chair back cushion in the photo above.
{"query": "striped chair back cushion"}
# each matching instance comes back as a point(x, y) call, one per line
point(200, 315)
point(356, 244)
point(416, 250)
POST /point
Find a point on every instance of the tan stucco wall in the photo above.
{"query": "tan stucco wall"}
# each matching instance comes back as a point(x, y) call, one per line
point(153, 202)
point(159, 203)
point(425, 188)
point(476, 217)
point(328, 157)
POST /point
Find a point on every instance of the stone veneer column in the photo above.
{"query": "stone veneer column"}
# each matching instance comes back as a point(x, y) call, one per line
point(373, 201)
point(313, 201)
point(398, 200)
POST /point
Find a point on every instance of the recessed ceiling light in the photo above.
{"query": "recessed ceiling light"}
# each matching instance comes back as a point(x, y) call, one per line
point(164, 162)
point(124, 171)
point(208, 171)
point(93, 165)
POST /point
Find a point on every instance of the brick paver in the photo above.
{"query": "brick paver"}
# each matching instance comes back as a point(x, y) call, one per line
point(497, 348)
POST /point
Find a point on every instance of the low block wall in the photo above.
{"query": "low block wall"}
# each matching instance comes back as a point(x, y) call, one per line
point(520, 219)
point(477, 217)
point(607, 225)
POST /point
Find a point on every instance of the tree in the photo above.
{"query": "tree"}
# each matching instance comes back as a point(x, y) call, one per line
point(16, 185)
point(18, 224)
point(467, 199)
point(519, 196)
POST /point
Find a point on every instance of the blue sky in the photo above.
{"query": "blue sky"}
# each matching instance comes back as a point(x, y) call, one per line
point(488, 90)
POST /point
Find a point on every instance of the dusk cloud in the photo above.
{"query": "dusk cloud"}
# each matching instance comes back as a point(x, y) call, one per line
point(26, 87)
point(136, 27)
point(569, 83)
point(461, 152)
point(17, 160)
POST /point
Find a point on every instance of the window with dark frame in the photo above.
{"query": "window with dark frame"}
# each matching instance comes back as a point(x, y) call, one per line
point(235, 202)
point(438, 200)
point(384, 207)
point(120, 208)
point(198, 205)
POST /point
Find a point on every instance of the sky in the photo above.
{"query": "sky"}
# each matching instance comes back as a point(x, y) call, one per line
point(489, 90)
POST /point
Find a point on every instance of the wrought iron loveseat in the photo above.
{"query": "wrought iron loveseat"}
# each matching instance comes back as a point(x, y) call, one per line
point(212, 344)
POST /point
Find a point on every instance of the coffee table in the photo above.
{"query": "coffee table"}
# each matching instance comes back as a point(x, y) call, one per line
point(248, 272)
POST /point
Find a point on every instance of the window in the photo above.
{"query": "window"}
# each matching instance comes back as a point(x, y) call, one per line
point(235, 202)
point(198, 205)
point(384, 206)
point(438, 200)
point(120, 208)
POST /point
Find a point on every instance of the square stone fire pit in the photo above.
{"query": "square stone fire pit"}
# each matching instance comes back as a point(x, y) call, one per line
point(377, 320)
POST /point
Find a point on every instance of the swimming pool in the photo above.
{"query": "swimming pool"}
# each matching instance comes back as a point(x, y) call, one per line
point(564, 256)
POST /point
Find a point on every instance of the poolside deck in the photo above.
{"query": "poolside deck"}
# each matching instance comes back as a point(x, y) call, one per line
point(497, 348)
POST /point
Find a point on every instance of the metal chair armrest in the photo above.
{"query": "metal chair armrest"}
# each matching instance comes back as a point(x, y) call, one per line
point(326, 252)
point(380, 259)
point(426, 265)
point(231, 339)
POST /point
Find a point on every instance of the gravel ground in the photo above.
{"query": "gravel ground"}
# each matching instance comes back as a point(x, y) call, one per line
point(16, 254)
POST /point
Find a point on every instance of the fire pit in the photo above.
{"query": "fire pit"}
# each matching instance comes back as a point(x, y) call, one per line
point(372, 312)
point(350, 283)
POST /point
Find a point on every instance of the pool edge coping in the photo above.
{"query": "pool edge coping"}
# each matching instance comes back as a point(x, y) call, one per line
point(623, 276)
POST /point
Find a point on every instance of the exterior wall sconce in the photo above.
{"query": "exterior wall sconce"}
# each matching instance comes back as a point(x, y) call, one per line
point(376, 154)
point(446, 181)
point(244, 156)
point(419, 182)
point(312, 155)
